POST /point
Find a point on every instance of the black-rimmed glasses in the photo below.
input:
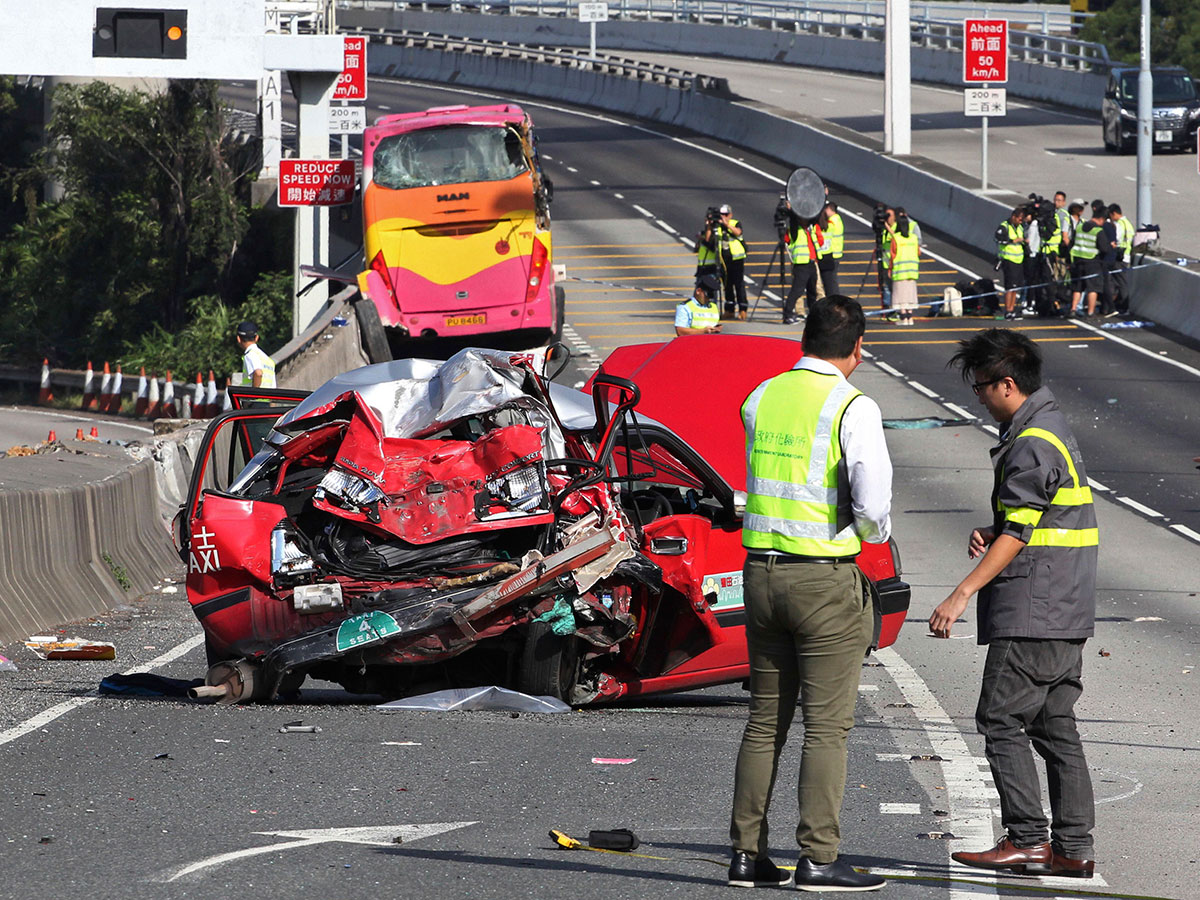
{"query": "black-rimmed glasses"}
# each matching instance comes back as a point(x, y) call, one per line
point(980, 385)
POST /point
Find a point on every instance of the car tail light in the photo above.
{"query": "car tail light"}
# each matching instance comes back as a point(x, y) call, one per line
point(288, 561)
point(537, 269)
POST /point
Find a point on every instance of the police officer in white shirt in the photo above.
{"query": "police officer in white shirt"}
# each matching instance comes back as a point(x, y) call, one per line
point(257, 366)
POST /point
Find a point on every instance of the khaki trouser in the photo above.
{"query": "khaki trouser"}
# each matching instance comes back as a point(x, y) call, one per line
point(808, 626)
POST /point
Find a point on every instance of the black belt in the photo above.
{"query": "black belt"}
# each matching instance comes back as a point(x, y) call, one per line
point(788, 558)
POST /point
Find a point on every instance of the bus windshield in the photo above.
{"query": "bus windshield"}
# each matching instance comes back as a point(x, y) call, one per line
point(1169, 87)
point(454, 154)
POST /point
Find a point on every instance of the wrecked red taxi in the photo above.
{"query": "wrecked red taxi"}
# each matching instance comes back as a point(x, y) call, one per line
point(414, 524)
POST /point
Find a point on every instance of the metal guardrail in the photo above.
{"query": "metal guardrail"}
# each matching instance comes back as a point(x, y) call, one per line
point(1034, 37)
point(603, 63)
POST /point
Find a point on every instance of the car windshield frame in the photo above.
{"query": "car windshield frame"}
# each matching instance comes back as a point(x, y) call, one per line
point(449, 154)
point(1169, 87)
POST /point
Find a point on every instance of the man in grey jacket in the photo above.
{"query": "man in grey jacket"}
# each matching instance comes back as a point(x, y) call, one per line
point(1037, 607)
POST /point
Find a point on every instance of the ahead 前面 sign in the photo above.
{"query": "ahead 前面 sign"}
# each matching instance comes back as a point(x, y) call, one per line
point(316, 182)
point(985, 51)
point(352, 83)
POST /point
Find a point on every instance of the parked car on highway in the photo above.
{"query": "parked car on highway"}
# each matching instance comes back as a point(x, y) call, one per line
point(414, 524)
point(1176, 109)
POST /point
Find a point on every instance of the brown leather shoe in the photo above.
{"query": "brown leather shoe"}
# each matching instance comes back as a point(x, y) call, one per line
point(741, 315)
point(1006, 856)
point(1070, 868)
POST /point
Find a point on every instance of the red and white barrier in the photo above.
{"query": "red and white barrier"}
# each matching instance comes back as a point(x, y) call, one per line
point(105, 390)
point(168, 399)
point(198, 398)
point(45, 396)
point(114, 397)
point(154, 411)
point(89, 389)
point(142, 403)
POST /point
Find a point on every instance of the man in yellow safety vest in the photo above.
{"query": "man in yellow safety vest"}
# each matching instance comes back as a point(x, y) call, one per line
point(818, 483)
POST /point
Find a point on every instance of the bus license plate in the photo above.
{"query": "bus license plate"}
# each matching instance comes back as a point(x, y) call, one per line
point(1162, 135)
point(458, 321)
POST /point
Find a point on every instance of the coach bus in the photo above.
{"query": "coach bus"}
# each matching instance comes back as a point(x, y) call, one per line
point(456, 222)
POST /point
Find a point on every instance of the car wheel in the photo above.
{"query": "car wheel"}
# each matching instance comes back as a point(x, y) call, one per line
point(371, 332)
point(1126, 147)
point(1109, 147)
point(549, 663)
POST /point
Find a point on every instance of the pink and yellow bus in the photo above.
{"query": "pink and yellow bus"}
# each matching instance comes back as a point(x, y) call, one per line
point(456, 221)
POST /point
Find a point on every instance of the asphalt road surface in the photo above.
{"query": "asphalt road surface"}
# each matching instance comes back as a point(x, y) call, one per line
point(140, 797)
point(21, 425)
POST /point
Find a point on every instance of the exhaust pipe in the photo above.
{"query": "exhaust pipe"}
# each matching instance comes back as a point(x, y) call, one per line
point(208, 690)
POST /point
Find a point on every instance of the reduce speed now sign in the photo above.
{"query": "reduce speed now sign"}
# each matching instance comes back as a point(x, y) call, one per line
point(985, 51)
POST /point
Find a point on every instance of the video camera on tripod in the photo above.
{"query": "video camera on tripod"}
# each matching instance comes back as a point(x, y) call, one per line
point(799, 206)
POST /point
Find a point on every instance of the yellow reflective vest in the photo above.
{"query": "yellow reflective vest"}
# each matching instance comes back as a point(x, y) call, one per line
point(906, 263)
point(1011, 249)
point(835, 238)
point(735, 245)
point(802, 251)
point(797, 493)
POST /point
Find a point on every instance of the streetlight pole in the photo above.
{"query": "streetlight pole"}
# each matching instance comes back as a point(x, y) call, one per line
point(1145, 120)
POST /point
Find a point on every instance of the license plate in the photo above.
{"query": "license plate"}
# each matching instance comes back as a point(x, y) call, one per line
point(458, 321)
point(1162, 135)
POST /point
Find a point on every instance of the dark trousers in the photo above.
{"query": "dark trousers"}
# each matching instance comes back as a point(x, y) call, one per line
point(804, 280)
point(829, 277)
point(807, 629)
point(1119, 287)
point(733, 278)
point(1028, 698)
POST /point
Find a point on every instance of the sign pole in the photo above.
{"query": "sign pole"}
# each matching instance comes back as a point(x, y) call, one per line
point(593, 25)
point(983, 153)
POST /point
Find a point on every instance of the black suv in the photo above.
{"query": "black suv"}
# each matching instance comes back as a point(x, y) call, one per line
point(1176, 109)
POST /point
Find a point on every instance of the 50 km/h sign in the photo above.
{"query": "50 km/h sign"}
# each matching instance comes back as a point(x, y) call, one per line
point(985, 51)
point(352, 83)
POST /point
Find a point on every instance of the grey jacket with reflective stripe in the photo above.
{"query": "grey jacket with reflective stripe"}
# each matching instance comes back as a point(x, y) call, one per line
point(1045, 592)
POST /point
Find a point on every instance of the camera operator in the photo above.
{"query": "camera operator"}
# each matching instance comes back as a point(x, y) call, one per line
point(829, 254)
point(904, 264)
point(882, 218)
point(726, 234)
point(708, 255)
point(803, 241)
point(1056, 249)
point(1010, 259)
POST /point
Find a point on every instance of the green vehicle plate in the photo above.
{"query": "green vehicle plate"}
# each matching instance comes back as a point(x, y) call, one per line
point(367, 628)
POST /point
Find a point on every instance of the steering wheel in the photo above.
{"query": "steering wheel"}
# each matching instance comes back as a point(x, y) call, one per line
point(651, 502)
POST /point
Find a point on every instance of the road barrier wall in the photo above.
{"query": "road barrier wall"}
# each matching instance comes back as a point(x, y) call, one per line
point(1032, 81)
point(79, 536)
point(934, 194)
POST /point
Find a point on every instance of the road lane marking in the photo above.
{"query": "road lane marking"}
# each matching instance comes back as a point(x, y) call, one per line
point(900, 809)
point(371, 835)
point(1186, 532)
point(643, 211)
point(58, 415)
point(1097, 486)
point(1140, 507)
point(595, 183)
point(954, 407)
point(46, 716)
point(924, 390)
point(891, 370)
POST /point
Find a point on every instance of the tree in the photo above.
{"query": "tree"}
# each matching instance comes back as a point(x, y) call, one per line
point(1174, 32)
point(152, 217)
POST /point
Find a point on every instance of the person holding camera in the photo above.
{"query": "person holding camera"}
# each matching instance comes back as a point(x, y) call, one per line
point(1010, 253)
point(699, 315)
point(803, 241)
point(904, 243)
point(727, 235)
point(829, 254)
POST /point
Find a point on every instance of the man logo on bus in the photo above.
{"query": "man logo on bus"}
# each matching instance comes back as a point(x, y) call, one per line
point(445, 198)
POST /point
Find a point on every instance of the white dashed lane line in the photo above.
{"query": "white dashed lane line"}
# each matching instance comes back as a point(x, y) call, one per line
point(900, 809)
point(1140, 507)
point(954, 408)
point(924, 390)
point(1186, 532)
point(890, 369)
point(645, 212)
point(665, 227)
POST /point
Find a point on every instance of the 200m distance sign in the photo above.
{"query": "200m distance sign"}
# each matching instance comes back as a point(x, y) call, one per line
point(985, 51)
point(316, 182)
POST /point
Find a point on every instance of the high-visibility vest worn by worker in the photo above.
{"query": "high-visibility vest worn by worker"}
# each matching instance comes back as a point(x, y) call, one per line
point(1008, 237)
point(701, 316)
point(835, 238)
point(906, 261)
point(805, 244)
point(1041, 496)
point(731, 242)
point(797, 488)
point(1124, 237)
point(705, 255)
point(1062, 224)
point(1084, 245)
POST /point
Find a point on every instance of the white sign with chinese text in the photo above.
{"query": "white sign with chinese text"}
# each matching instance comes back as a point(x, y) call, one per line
point(593, 12)
point(347, 119)
point(985, 102)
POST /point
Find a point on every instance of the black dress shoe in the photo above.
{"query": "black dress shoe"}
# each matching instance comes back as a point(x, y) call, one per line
point(745, 871)
point(835, 876)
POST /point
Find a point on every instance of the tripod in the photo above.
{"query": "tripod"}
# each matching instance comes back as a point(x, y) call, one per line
point(780, 254)
point(867, 271)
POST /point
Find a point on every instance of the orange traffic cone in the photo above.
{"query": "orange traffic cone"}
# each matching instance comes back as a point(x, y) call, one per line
point(95, 432)
point(79, 434)
point(155, 409)
point(51, 437)
point(44, 396)
point(198, 397)
point(114, 397)
point(168, 400)
point(142, 403)
point(89, 389)
point(105, 389)
point(210, 396)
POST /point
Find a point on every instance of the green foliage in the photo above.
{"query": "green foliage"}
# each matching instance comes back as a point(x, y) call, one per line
point(207, 342)
point(1174, 32)
point(142, 253)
